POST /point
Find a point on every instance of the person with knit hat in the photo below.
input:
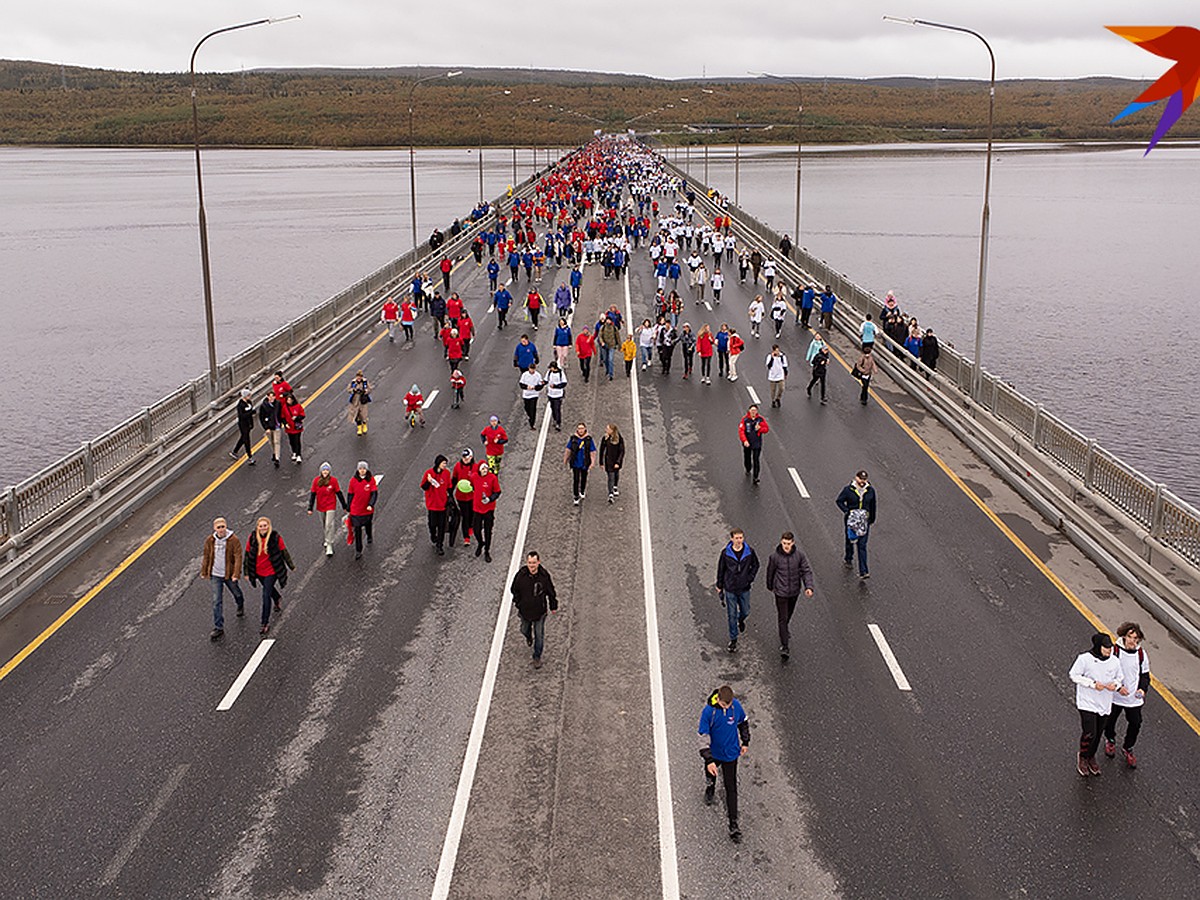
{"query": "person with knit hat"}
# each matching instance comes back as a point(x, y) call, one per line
point(483, 508)
point(1097, 675)
point(462, 481)
point(435, 484)
point(326, 495)
point(363, 493)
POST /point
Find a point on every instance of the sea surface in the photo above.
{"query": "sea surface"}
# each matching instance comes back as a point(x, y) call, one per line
point(1090, 305)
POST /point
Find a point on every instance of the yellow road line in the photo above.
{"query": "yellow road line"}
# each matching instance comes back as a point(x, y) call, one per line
point(158, 535)
point(1184, 713)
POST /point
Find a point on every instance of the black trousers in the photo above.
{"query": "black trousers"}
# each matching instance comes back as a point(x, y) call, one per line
point(501, 317)
point(750, 457)
point(785, 607)
point(805, 312)
point(578, 481)
point(556, 410)
point(437, 527)
point(866, 386)
point(1091, 724)
point(483, 522)
point(361, 524)
point(585, 367)
point(1133, 716)
point(531, 411)
point(459, 511)
point(818, 377)
point(688, 356)
point(729, 775)
point(706, 367)
point(294, 440)
point(243, 441)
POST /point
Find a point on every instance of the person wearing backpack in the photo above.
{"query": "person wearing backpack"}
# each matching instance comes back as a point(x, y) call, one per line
point(1135, 671)
point(857, 503)
point(723, 722)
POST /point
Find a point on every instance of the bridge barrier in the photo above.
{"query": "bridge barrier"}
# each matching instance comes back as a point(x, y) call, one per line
point(51, 517)
point(1161, 538)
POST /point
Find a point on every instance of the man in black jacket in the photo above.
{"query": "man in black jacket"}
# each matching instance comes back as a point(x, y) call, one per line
point(737, 568)
point(788, 572)
point(857, 503)
point(534, 596)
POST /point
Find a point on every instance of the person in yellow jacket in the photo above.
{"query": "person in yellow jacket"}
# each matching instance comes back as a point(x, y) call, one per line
point(630, 350)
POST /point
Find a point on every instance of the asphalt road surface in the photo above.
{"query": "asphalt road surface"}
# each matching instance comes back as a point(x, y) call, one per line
point(335, 771)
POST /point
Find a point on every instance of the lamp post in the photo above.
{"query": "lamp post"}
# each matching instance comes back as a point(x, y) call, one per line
point(208, 304)
point(799, 142)
point(514, 132)
point(737, 158)
point(977, 379)
point(412, 168)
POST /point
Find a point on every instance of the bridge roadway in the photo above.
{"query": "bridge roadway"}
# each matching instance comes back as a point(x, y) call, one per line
point(334, 773)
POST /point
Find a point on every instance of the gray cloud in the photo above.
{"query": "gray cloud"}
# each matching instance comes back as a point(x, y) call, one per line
point(716, 37)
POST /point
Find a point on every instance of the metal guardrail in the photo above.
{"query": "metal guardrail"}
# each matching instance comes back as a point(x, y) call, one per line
point(39, 501)
point(1169, 520)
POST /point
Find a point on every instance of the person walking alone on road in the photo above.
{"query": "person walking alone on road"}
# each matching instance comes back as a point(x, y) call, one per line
point(1097, 675)
point(268, 561)
point(820, 368)
point(494, 438)
point(362, 494)
point(221, 567)
point(737, 567)
point(326, 495)
point(750, 432)
point(788, 573)
point(736, 345)
point(612, 457)
point(723, 722)
point(1135, 670)
point(777, 370)
point(483, 509)
point(533, 594)
point(857, 503)
point(579, 456)
point(245, 423)
point(360, 395)
point(435, 485)
point(864, 370)
point(629, 350)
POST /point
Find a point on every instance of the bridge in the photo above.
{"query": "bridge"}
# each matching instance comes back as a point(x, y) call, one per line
point(390, 738)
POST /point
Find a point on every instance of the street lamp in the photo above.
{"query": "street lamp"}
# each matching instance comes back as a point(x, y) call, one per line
point(412, 171)
point(514, 132)
point(799, 141)
point(208, 305)
point(977, 380)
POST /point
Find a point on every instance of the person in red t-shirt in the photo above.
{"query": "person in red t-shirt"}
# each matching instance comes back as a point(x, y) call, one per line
point(464, 488)
point(466, 331)
point(279, 386)
point(293, 422)
point(268, 561)
point(362, 494)
point(414, 402)
point(454, 349)
point(446, 266)
point(454, 309)
point(533, 302)
point(326, 495)
point(408, 316)
point(389, 316)
point(494, 438)
point(458, 382)
point(435, 484)
point(483, 508)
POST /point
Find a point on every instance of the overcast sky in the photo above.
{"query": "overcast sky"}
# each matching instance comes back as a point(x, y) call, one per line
point(1031, 38)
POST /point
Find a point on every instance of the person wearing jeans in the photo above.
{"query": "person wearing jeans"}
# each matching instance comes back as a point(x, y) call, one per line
point(737, 567)
point(534, 596)
point(580, 456)
point(221, 566)
point(857, 503)
point(267, 561)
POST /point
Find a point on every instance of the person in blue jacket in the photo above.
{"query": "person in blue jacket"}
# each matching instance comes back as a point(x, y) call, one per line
point(673, 272)
point(828, 298)
point(576, 281)
point(514, 263)
point(724, 723)
point(493, 270)
point(562, 299)
point(737, 567)
point(503, 300)
point(526, 354)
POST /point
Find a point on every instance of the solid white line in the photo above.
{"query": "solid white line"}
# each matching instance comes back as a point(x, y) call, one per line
point(799, 484)
point(889, 658)
point(668, 863)
point(240, 682)
point(753, 396)
point(466, 778)
point(143, 826)
point(429, 399)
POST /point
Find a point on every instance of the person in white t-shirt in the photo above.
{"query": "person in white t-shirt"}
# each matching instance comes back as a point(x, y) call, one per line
point(1097, 676)
point(531, 385)
point(1135, 667)
point(756, 310)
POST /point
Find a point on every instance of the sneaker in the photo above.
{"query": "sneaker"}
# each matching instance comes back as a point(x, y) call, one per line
point(233, 455)
point(329, 549)
point(710, 793)
point(275, 460)
point(741, 625)
point(575, 502)
point(733, 646)
point(216, 634)
point(1110, 749)
point(479, 551)
point(487, 555)
point(440, 550)
point(241, 611)
point(1093, 766)
point(582, 495)
point(250, 461)
point(735, 833)
point(847, 563)
point(1130, 759)
point(1082, 766)
point(864, 576)
point(537, 662)
point(466, 542)
point(276, 606)
point(783, 651)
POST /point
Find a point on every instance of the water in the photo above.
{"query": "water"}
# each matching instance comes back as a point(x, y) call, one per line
point(1088, 293)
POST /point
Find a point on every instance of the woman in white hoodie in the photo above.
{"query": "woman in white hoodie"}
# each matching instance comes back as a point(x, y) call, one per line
point(1097, 675)
point(1135, 666)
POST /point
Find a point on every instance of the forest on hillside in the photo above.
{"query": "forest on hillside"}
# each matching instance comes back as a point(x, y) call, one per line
point(49, 104)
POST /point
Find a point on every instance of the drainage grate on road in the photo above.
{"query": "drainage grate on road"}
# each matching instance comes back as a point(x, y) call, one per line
point(1105, 594)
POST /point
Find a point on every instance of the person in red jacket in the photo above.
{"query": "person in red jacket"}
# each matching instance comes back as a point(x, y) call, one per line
point(326, 495)
point(483, 509)
point(454, 309)
point(446, 266)
point(408, 316)
point(750, 432)
point(390, 316)
point(363, 493)
point(466, 331)
point(268, 561)
point(454, 349)
point(533, 302)
point(414, 401)
point(736, 345)
point(494, 438)
point(293, 423)
point(458, 383)
point(462, 510)
point(705, 345)
point(279, 386)
point(585, 349)
point(435, 484)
